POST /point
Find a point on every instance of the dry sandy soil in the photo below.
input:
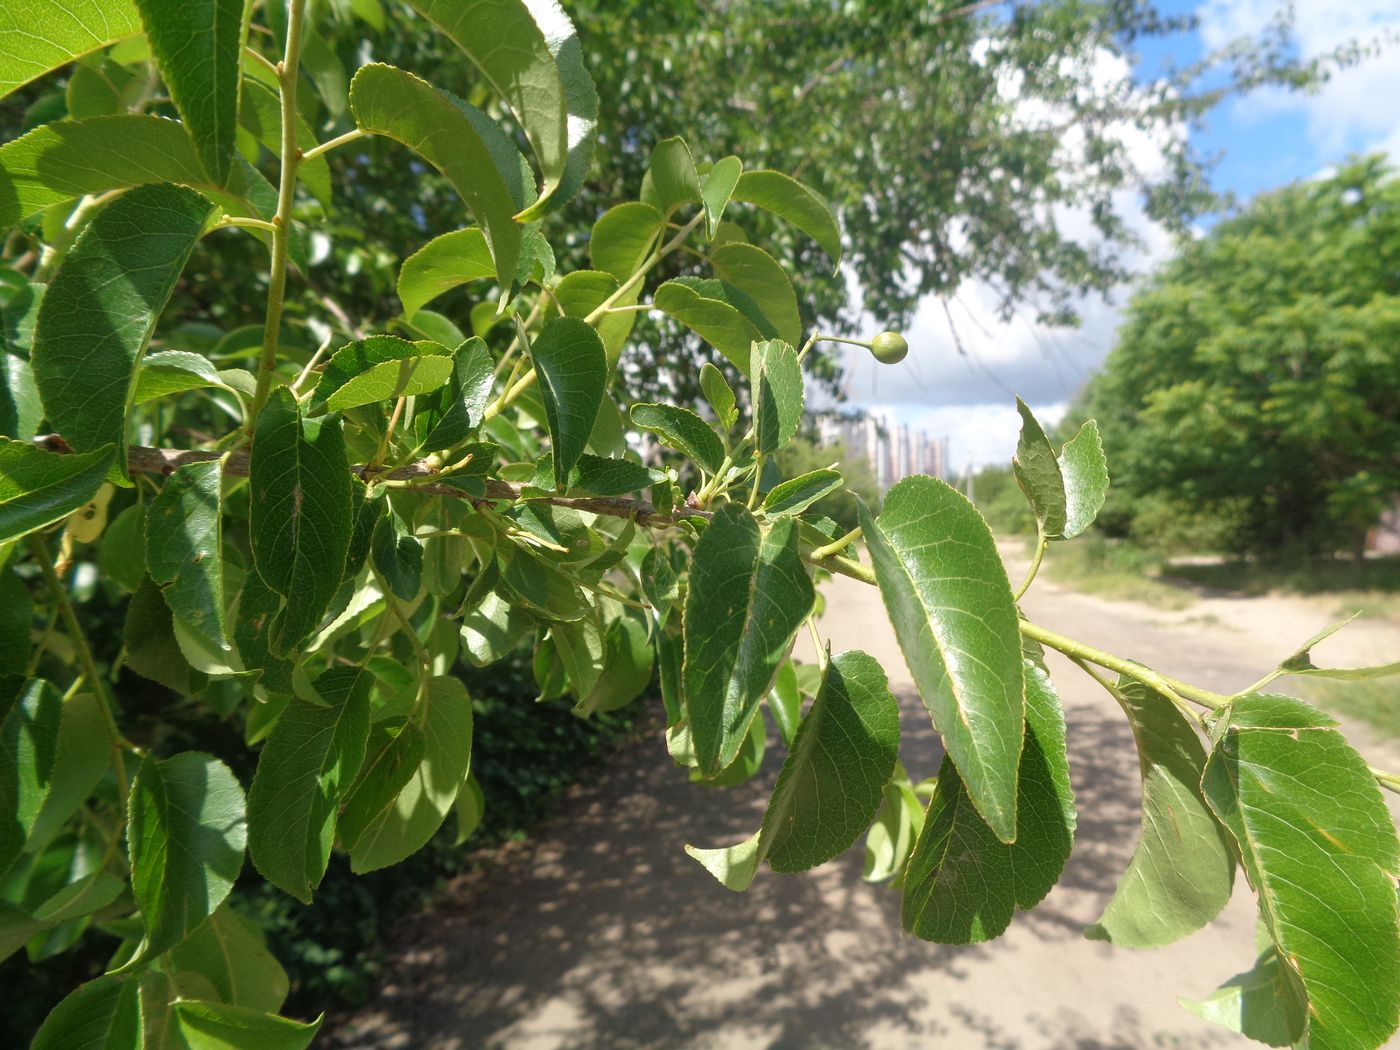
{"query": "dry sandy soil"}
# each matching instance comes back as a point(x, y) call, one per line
point(601, 932)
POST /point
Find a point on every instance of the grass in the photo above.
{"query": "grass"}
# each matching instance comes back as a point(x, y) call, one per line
point(1376, 702)
point(1114, 570)
point(1371, 587)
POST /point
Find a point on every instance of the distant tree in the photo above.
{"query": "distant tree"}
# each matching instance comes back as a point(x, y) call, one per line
point(1257, 379)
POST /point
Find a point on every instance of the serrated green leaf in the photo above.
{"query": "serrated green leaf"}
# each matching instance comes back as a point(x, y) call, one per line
point(792, 202)
point(748, 595)
point(719, 323)
point(103, 1014)
point(719, 395)
point(185, 838)
point(392, 756)
point(198, 45)
point(172, 372)
point(229, 951)
point(1085, 473)
point(1317, 842)
point(29, 736)
point(583, 291)
point(659, 582)
point(797, 494)
point(964, 883)
point(755, 272)
point(444, 263)
point(305, 768)
point(83, 756)
point(682, 430)
point(449, 416)
point(716, 190)
point(573, 373)
point(398, 557)
point(671, 180)
point(777, 393)
point(152, 649)
point(101, 308)
point(38, 488)
point(1182, 870)
point(1038, 474)
point(220, 1026)
point(45, 34)
point(184, 547)
point(624, 236)
point(511, 46)
point(255, 616)
point(417, 810)
point(446, 133)
point(1266, 1004)
point(610, 477)
point(300, 515)
point(950, 603)
point(420, 373)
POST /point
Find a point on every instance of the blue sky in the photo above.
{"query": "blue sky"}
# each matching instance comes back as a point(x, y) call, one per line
point(1263, 141)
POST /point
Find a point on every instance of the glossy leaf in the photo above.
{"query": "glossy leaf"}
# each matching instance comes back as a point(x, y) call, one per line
point(755, 272)
point(1318, 845)
point(169, 372)
point(198, 45)
point(573, 374)
point(609, 477)
point(671, 180)
point(38, 488)
point(416, 374)
point(184, 547)
point(792, 202)
point(797, 494)
point(29, 736)
point(299, 522)
point(778, 395)
point(444, 132)
point(220, 1026)
point(101, 308)
point(305, 768)
point(103, 1014)
point(1038, 473)
point(45, 34)
point(185, 839)
point(964, 883)
point(20, 409)
point(444, 263)
point(509, 40)
point(229, 951)
point(717, 322)
point(948, 597)
point(580, 99)
point(1182, 871)
point(682, 430)
point(749, 593)
point(1085, 473)
point(716, 190)
point(403, 826)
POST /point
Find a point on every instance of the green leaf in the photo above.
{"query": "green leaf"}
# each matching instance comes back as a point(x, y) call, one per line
point(799, 493)
point(45, 34)
point(1266, 1004)
point(748, 595)
point(623, 237)
point(719, 395)
point(101, 308)
point(173, 372)
point(392, 757)
point(671, 180)
point(627, 659)
point(404, 825)
point(20, 409)
point(152, 649)
point(511, 46)
point(792, 202)
point(610, 477)
point(363, 357)
point(892, 836)
point(229, 951)
point(398, 557)
point(583, 291)
point(469, 807)
point(444, 132)
point(1085, 473)
point(82, 759)
point(754, 272)
point(1038, 473)
point(184, 547)
point(38, 488)
point(444, 263)
point(103, 1014)
point(493, 630)
point(29, 736)
point(580, 100)
point(733, 866)
point(219, 1026)
point(185, 836)
point(305, 767)
point(1182, 871)
point(964, 882)
point(16, 621)
point(659, 582)
point(424, 371)
point(573, 373)
point(1317, 842)
point(198, 45)
point(682, 430)
point(715, 192)
point(261, 114)
point(949, 600)
point(255, 616)
point(300, 515)
point(717, 322)
point(778, 395)
point(449, 416)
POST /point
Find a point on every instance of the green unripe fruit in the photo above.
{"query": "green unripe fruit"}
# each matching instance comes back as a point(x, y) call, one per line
point(889, 348)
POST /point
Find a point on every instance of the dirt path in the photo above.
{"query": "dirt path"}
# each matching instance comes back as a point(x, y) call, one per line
point(603, 933)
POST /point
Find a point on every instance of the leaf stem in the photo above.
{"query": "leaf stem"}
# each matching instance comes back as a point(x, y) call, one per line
point(1040, 544)
point(330, 144)
point(58, 595)
point(287, 71)
point(246, 222)
point(836, 546)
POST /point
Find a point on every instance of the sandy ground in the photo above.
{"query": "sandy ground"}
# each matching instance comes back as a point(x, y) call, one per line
point(601, 932)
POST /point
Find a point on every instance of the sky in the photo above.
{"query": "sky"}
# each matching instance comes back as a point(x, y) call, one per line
point(1262, 141)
